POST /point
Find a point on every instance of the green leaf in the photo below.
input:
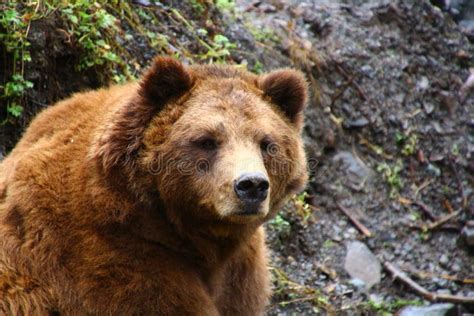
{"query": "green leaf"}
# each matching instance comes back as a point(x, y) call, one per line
point(15, 110)
point(73, 19)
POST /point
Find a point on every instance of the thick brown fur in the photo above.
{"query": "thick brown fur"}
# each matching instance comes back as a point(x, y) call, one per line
point(111, 204)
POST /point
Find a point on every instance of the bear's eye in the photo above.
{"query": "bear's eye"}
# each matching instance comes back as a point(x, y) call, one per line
point(266, 145)
point(207, 144)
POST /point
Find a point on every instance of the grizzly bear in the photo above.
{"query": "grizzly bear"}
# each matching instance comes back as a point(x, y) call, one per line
point(148, 198)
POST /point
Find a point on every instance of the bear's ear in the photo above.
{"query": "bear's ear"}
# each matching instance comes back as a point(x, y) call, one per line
point(167, 78)
point(118, 142)
point(288, 89)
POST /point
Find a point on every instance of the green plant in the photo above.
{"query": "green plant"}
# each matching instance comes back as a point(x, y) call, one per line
point(390, 308)
point(225, 5)
point(13, 36)
point(93, 29)
point(408, 143)
point(287, 291)
point(391, 174)
point(455, 149)
point(303, 209)
point(257, 68)
point(262, 34)
point(197, 6)
point(281, 226)
point(219, 49)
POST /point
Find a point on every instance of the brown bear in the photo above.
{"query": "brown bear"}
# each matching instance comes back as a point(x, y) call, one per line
point(148, 198)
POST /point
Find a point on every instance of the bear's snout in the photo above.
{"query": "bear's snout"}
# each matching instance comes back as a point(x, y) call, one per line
point(251, 189)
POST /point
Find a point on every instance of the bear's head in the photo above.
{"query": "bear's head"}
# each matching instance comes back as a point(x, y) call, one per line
point(210, 142)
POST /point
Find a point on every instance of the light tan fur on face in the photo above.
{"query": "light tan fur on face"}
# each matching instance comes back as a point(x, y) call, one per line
point(236, 110)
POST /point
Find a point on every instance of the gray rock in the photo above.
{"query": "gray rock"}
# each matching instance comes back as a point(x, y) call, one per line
point(361, 122)
point(423, 83)
point(358, 283)
point(432, 310)
point(356, 170)
point(468, 235)
point(429, 107)
point(444, 259)
point(362, 264)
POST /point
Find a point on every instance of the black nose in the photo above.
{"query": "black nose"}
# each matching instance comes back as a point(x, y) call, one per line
point(251, 187)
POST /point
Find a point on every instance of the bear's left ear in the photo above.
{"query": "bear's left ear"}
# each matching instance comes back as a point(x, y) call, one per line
point(117, 144)
point(288, 89)
point(166, 78)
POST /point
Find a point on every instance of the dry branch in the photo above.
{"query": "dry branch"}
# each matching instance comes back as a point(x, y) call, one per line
point(443, 220)
point(364, 230)
point(432, 297)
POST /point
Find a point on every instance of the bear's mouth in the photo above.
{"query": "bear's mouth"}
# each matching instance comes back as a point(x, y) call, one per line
point(251, 208)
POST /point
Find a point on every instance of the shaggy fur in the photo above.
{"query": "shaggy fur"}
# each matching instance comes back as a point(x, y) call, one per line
point(121, 201)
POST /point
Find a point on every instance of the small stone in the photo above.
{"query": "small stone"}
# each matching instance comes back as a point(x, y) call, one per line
point(429, 107)
point(433, 170)
point(361, 122)
point(431, 310)
point(362, 264)
point(444, 259)
point(443, 292)
point(468, 235)
point(456, 267)
point(358, 283)
point(423, 83)
point(356, 170)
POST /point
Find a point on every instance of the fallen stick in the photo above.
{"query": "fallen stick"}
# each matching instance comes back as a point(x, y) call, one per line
point(426, 209)
point(432, 297)
point(351, 80)
point(364, 230)
point(430, 275)
point(443, 220)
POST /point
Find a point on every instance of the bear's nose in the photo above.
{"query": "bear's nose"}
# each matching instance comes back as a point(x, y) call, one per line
point(252, 187)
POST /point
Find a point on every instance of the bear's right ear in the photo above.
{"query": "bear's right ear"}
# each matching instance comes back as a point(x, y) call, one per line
point(167, 78)
point(117, 145)
point(288, 89)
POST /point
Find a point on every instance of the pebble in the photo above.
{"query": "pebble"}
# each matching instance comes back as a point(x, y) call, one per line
point(456, 267)
point(428, 107)
point(433, 170)
point(444, 259)
point(358, 283)
point(362, 264)
point(468, 235)
point(443, 292)
point(423, 83)
point(361, 122)
point(355, 169)
point(431, 310)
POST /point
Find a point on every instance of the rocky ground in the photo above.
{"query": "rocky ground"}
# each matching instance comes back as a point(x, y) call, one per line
point(389, 134)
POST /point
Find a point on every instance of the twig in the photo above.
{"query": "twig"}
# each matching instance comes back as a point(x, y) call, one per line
point(443, 220)
point(429, 275)
point(448, 205)
point(426, 209)
point(341, 91)
point(433, 297)
point(364, 230)
point(296, 300)
point(353, 82)
point(422, 186)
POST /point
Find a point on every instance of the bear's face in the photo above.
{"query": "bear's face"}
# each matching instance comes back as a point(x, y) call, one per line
point(230, 154)
point(225, 145)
